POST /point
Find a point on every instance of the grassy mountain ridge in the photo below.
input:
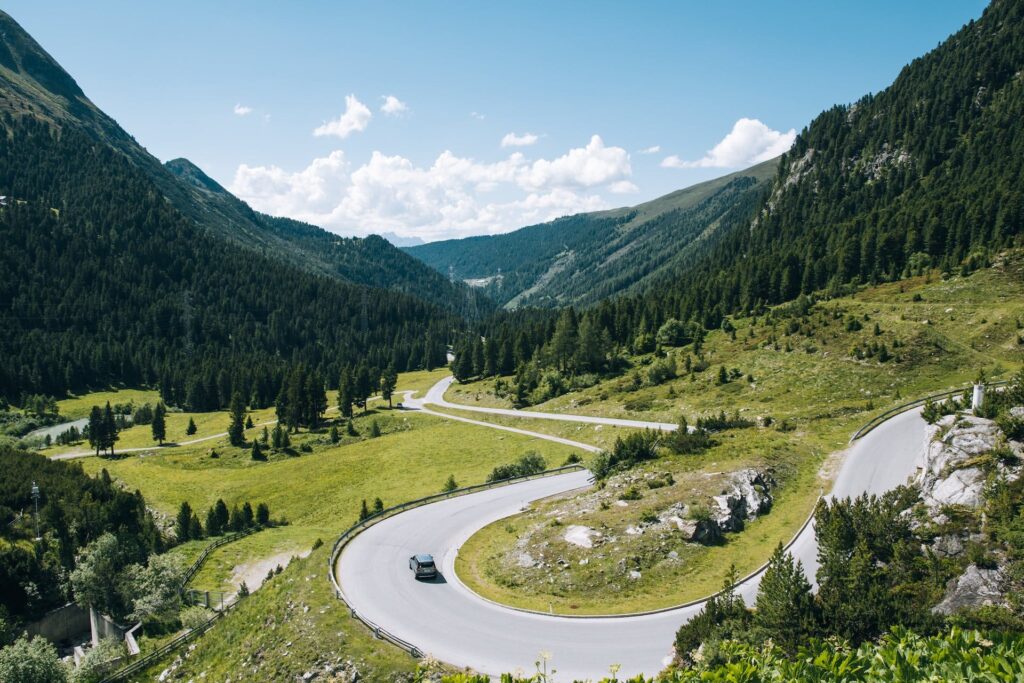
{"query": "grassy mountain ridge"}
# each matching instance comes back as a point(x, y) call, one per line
point(584, 258)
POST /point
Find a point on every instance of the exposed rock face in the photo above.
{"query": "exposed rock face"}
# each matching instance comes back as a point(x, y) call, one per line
point(746, 498)
point(704, 531)
point(943, 478)
point(976, 587)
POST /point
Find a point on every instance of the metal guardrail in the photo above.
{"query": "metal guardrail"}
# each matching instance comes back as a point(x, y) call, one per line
point(363, 524)
point(909, 405)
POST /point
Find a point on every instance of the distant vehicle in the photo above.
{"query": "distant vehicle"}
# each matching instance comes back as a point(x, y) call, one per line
point(423, 566)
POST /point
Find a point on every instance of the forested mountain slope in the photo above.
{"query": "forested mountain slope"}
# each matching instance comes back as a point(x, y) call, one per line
point(927, 172)
point(370, 261)
point(33, 83)
point(104, 280)
point(588, 257)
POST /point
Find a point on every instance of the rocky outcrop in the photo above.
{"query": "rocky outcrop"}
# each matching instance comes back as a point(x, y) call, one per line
point(946, 474)
point(747, 496)
point(976, 587)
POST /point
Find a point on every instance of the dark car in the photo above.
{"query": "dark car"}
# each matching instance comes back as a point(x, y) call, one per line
point(423, 566)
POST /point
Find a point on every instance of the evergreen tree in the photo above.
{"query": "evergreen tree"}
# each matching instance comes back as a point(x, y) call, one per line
point(450, 484)
point(257, 451)
point(364, 384)
point(236, 412)
point(220, 508)
point(183, 522)
point(278, 437)
point(364, 511)
point(95, 427)
point(213, 527)
point(262, 514)
point(159, 424)
point(247, 514)
point(195, 528)
point(265, 437)
point(191, 428)
point(563, 341)
point(785, 610)
point(378, 505)
point(345, 391)
point(388, 382)
point(109, 429)
point(334, 435)
point(237, 522)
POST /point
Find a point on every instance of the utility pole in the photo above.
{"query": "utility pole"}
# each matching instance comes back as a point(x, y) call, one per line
point(35, 499)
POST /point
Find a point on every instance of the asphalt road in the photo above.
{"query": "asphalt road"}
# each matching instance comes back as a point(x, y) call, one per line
point(435, 396)
point(453, 624)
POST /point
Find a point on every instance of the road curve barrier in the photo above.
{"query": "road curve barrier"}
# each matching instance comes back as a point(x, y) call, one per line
point(364, 524)
point(910, 405)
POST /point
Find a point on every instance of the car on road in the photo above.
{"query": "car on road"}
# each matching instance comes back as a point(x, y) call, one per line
point(423, 566)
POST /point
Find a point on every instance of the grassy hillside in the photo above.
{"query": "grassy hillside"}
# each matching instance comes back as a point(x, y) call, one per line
point(816, 371)
point(584, 258)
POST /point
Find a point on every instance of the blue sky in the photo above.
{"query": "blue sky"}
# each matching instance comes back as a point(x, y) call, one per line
point(240, 88)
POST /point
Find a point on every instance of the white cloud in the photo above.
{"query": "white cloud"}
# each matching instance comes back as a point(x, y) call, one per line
point(587, 166)
point(654, 149)
point(242, 110)
point(452, 197)
point(749, 142)
point(393, 106)
point(477, 115)
point(623, 187)
point(513, 140)
point(355, 119)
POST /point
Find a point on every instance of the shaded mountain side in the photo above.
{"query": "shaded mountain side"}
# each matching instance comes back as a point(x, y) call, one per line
point(104, 280)
point(33, 83)
point(370, 261)
point(584, 258)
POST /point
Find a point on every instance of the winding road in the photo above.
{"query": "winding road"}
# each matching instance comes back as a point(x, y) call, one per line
point(451, 623)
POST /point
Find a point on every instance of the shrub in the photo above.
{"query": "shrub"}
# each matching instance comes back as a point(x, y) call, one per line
point(195, 617)
point(529, 463)
point(636, 447)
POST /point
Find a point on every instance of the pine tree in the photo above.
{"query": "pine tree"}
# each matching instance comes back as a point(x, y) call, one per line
point(334, 435)
point(159, 424)
point(364, 511)
point(212, 523)
point(96, 429)
point(563, 342)
point(265, 437)
point(345, 389)
point(247, 514)
point(785, 610)
point(450, 484)
point(378, 505)
point(109, 429)
point(236, 429)
point(388, 382)
point(183, 522)
point(191, 428)
point(277, 439)
point(220, 508)
point(262, 514)
point(364, 384)
point(195, 528)
point(350, 428)
point(257, 451)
